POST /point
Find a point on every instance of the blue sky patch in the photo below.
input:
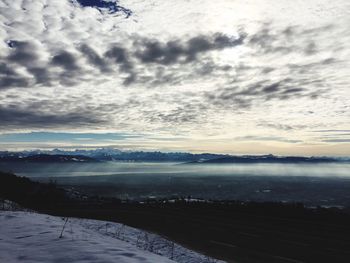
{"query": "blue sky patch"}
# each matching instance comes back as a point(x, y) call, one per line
point(111, 6)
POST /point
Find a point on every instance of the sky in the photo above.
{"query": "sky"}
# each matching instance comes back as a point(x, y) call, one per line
point(225, 76)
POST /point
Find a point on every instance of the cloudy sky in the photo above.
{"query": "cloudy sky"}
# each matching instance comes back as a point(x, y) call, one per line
point(228, 76)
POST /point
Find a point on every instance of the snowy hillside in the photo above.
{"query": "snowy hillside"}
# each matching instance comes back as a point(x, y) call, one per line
point(32, 237)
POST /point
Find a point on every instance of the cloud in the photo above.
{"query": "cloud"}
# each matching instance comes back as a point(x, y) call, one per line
point(120, 56)
point(64, 136)
point(282, 126)
point(22, 52)
point(292, 39)
point(266, 138)
point(152, 62)
point(10, 78)
point(332, 131)
point(256, 93)
point(66, 60)
point(177, 116)
point(16, 116)
point(94, 58)
point(13, 81)
point(336, 140)
point(174, 51)
point(41, 75)
point(140, 52)
point(82, 65)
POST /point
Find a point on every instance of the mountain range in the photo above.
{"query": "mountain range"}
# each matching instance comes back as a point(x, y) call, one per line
point(111, 154)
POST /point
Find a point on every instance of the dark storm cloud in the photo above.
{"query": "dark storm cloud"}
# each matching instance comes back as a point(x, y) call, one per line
point(163, 61)
point(174, 51)
point(120, 56)
point(22, 53)
point(14, 117)
point(66, 60)
point(153, 51)
point(41, 75)
point(13, 82)
point(72, 72)
point(152, 63)
point(271, 88)
point(6, 70)
point(10, 78)
point(94, 58)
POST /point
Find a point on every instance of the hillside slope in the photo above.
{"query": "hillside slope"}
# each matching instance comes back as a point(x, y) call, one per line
point(32, 237)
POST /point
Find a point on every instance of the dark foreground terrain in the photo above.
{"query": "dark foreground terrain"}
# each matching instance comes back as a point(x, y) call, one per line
point(230, 230)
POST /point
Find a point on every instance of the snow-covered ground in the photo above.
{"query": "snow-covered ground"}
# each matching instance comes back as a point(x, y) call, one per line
point(32, 237)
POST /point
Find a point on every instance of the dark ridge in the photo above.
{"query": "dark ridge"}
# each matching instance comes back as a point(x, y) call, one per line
point(28, 193)
point(268, 159)
point(235, 231)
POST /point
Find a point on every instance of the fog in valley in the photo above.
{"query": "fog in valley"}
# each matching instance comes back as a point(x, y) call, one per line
point(313, 184)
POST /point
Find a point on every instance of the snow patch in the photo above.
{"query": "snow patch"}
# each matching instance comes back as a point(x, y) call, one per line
point(33, 237)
